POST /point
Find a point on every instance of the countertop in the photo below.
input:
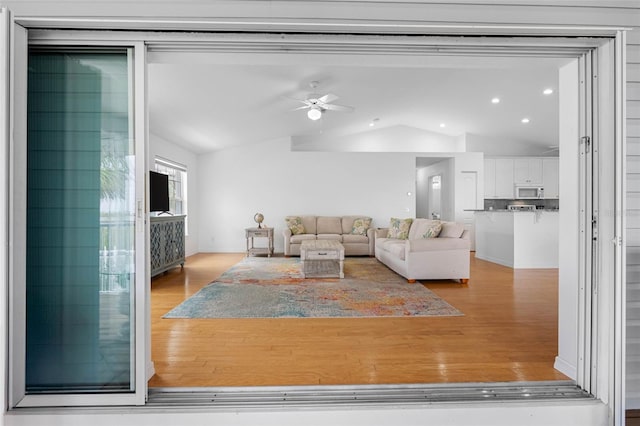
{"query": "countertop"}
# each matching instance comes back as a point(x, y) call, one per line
point(510, 211)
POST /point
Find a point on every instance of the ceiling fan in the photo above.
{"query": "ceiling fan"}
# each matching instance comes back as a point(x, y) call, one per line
point(317, 104)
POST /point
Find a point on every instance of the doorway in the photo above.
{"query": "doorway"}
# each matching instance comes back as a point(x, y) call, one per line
point(435, 197)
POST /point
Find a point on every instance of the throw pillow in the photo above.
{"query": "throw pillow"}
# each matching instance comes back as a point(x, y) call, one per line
point(295, 224)
point(399, 228)
point(451, 230)
point(433, 230)
point(361, 226)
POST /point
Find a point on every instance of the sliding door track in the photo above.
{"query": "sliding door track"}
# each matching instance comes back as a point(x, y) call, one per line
point(317, 396)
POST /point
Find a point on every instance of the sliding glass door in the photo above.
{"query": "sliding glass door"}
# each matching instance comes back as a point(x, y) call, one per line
point(80, 222)
point(78, 226)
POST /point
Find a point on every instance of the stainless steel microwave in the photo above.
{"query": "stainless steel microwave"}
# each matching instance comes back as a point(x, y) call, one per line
point(529, 192)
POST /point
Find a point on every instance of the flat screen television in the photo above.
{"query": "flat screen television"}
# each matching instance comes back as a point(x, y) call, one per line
point(158, 192)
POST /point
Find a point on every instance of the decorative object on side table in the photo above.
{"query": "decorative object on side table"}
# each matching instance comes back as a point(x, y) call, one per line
point(251, 233)
point(259, 218)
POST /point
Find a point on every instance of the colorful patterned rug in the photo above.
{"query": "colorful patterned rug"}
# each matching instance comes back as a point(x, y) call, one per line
point(259, 287)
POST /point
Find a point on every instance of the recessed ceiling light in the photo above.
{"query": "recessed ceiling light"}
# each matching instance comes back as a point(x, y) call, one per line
point(495, 100)
point(525, 120)
point(548, 91)
point(443, 125)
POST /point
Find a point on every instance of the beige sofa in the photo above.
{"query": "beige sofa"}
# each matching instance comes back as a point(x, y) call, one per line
point(418, 258)
point(359, 242)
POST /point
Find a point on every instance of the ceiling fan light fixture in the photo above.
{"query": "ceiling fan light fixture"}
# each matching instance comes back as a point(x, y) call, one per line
point(314, 114)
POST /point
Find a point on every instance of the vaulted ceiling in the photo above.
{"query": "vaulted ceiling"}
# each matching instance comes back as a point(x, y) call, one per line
point(206, 102)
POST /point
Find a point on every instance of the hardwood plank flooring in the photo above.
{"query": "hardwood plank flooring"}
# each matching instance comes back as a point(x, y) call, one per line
point(508, 333)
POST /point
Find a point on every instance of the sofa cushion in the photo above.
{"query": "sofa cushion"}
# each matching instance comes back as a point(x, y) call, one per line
point(361, 226)
point(335, 237)
point(399, 228)
point(329, 225)
point(297, 239)
point(354, 239)
point(438, 244)
point(395, 247)
point(309, 223)
point(451, 230)
point(295, 224)
point(424, 228)
point(347, 223)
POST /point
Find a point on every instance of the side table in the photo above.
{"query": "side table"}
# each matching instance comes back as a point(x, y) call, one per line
point(251, 233)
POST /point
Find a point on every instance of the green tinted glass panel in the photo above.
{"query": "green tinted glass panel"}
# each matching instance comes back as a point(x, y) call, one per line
point(80, 223)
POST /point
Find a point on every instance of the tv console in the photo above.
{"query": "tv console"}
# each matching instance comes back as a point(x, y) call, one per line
point(167, 243)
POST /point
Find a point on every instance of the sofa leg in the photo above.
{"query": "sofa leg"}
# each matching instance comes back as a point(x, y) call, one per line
point(464, 280)
point(411, 281)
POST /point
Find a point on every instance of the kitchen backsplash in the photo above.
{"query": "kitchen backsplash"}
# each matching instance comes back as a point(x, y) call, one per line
point(501, 204)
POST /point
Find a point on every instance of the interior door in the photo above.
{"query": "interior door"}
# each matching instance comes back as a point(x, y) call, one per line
point(77, 225)
point(469, 199)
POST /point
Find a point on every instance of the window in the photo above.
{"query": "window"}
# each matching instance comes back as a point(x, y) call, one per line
point(177, 184)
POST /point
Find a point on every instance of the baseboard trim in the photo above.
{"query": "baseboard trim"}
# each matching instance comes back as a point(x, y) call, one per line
point(151, 370)
point(565, 368)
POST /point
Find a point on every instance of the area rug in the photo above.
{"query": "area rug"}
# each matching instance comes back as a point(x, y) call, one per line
point(259, 287)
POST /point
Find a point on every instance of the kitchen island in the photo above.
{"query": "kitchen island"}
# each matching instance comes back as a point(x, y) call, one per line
point(518, 239)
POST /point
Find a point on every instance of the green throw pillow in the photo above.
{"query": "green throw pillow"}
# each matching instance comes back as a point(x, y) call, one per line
point(399, 228)
point(433, 231)
point(295, 224)
point(361, 226)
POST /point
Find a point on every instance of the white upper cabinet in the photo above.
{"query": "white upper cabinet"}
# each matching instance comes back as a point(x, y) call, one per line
point(502, 174)
point(527, 171)
point(498, 178)
point(489, 178)
point(504, 178)
point(551, 177)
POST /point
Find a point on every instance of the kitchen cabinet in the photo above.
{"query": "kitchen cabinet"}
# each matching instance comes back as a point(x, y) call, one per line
point(502, 174)
point(498, 178)
point(551, 177)
point(527, 171)
point(504, 178)
point(489, 178)
point(526, 239)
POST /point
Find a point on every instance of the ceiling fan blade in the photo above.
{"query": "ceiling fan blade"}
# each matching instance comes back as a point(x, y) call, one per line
point(329, 97)
point(301, 107)
point(334, 107)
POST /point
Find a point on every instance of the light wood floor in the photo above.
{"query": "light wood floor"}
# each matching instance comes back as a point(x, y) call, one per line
point(508, 333)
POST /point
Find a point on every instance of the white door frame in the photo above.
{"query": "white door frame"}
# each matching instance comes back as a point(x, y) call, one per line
point(610, 368)
point(17, 232)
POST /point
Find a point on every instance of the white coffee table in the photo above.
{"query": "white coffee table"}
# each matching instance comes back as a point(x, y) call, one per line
point(322, 259)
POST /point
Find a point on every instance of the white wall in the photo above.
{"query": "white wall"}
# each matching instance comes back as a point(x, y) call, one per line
point(170, 151)
point(387, 139)
point(271, 179)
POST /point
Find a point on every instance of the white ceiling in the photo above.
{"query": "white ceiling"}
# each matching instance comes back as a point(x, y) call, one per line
point(205, 101)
